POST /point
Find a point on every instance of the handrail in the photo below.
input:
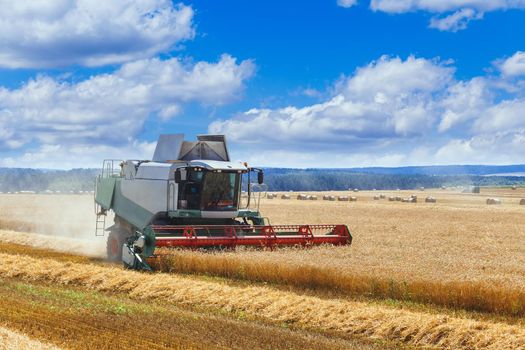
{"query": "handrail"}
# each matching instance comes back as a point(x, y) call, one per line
point(111, 167)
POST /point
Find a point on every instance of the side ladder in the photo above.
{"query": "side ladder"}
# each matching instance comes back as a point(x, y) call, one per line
point(100, 225)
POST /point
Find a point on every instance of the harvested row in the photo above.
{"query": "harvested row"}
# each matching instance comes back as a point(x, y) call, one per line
point(11, 340)
point(474, 296)
point(85, 319)
point(340, 317)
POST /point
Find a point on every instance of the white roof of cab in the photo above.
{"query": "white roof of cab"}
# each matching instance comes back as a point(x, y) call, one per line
point(218, 165)
point(161, 171)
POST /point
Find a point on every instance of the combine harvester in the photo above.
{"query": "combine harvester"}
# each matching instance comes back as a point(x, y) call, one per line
point(189, 196)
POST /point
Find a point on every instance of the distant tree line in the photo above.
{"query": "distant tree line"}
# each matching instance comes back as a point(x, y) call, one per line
point(38, 180)
point(323, 180)
point(17, 179)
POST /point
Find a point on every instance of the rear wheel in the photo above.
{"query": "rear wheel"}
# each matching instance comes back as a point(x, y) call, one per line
point(116, 240)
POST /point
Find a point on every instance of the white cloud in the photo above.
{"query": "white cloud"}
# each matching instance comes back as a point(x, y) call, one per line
point(514, 65)
point(441, 6)
point(346, 3)
point(53, 33)
point(110, 109)
point(455, 21)
point(394, 77)
point(487, 148)
point(457, 13)
point(390, 112)
point(387, 98)
point(464, 101)
point(504, 116)
point(59, 156)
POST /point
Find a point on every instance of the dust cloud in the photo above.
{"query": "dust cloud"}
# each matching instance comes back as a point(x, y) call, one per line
point(64, 223)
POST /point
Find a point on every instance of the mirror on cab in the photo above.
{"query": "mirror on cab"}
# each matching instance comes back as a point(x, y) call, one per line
point(178, 176)
point(260, 177)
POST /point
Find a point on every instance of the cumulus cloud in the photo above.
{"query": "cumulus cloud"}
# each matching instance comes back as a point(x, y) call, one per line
point(487, 148)
point(390, 112)
point(346, 3)
point(463, 102)
point(110, 109)
point(455, 21)
point(35, 34)
point(513, 66)
point(451, 15)
point(501, 117)
point(387, 98)
point(61, 156)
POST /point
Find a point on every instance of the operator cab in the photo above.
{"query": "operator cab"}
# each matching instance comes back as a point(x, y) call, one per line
point(208, 190)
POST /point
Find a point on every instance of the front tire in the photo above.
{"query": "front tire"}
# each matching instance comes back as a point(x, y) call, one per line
point(116, 240)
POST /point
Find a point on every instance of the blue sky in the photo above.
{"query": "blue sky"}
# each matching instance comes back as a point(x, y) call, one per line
point(305, 84)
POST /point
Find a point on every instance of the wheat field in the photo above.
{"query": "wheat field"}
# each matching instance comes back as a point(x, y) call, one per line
point(458, 253)
point(342, 318)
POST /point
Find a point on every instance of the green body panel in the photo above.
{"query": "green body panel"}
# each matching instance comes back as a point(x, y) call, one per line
point(105, 191)
point(129, 210)
point(149, 247)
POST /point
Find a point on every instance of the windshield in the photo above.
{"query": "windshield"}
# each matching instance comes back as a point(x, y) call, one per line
point(220, 191)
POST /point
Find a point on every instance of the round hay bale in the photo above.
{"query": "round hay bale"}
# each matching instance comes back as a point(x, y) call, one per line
point(398, 199)
point(382, 196)
point(475, 189)
point(404, 200)
point(331, 198)
point(343, 198)
point(271, 195)
point(514, 187)
point(522, 201)
point(421, 188)
point(353, 199)
point(285, 196)
point(430, 200)
point(326, 197)
point(302, 197)
point(493, 201)
point(376, 198)
point(391, 199)
point(313, 198)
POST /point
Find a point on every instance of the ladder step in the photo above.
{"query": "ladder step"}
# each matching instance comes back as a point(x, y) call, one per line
point(100, 225)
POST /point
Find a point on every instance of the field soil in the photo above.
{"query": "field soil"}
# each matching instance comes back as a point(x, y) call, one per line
point(446, 274)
